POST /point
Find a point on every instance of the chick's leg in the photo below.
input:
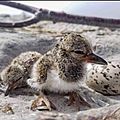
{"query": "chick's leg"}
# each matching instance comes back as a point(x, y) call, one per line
point(75, 97)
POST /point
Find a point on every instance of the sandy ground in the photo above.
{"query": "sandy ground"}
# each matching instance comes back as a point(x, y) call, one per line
point(42, 37)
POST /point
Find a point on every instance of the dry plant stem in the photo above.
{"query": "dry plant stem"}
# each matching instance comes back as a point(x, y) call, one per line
point(43, 14)
point(42, 100)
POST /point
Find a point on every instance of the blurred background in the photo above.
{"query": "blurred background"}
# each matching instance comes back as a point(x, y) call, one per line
point(88, 8)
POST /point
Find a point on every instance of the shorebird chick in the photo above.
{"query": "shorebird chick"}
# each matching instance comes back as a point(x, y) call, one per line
point(62, 69)
point(105, 80)
point(16, 74)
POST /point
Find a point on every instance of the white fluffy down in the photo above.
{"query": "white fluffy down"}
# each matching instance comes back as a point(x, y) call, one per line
point(53, 83)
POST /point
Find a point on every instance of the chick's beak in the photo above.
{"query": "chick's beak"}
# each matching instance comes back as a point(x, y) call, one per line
point(10, 88)
point(92, 58)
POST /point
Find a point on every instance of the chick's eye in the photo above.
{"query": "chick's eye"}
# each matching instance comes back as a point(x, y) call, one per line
point(79, 52)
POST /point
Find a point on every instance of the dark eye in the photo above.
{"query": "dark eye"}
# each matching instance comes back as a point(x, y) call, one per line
point(79, 52)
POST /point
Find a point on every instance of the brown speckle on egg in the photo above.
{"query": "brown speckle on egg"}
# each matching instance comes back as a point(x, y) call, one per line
point(110, 76)
point(108, 69)
point(114, 66)
point(92, 73)
point(106, 86)
point(91, 77)
point(107, 79)
point(105, 91)
point(109, 61)
point(115, 91)
point(118, 66)
point(104, 75)
point(96, 81)
point(96, 76)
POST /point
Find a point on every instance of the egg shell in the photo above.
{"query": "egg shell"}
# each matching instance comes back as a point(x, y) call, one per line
point(105, 79)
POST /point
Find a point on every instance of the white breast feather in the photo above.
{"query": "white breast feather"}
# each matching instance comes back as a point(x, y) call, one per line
point(56, 84)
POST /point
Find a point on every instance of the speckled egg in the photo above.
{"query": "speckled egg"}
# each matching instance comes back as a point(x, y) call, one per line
point(105, 79)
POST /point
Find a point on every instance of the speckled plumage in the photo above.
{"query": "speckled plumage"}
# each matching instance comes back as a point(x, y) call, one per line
point(19, 69)
point(105, 79)
point(63, 63)
point(64, 67)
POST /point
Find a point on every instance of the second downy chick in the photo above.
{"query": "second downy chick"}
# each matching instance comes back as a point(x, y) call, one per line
point(16, 74)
